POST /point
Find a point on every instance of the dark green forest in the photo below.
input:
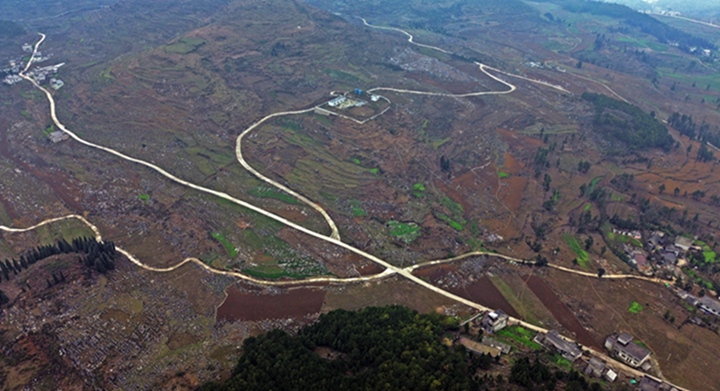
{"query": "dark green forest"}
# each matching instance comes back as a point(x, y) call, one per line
point(628, 124)
point(382, 348)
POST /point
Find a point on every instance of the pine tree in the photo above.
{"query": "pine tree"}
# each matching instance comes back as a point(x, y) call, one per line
point(3, 298)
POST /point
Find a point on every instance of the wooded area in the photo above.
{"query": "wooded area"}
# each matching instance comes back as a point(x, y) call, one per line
point(628, 124)
point(381, 348)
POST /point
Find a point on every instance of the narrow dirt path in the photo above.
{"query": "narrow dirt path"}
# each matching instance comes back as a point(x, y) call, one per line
point(390, 269)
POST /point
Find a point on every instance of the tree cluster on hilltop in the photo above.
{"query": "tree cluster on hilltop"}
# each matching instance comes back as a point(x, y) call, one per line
point(628, 123)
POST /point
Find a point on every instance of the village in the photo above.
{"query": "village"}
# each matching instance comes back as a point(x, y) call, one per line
point(676, 257)
point(40, 74)
point(497, 336)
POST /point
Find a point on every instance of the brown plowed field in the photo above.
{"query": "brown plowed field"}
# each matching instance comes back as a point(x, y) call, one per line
point(483, 291)
point(250, 307)
point(561, 312)
point(434, 273)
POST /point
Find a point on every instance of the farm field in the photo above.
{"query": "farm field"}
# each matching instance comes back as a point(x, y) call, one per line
point(520, 128)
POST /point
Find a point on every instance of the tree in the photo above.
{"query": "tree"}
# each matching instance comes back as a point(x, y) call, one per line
point(601, 272)
point(705, 154)
point(584, 166)
point(676, 192)
point(589, 242)
point(662, 188)
point(546, 182)
point(445, 164)
point(541, 261)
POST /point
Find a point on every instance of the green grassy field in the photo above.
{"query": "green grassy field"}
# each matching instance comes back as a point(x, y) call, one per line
point(267, 192)
point(185, 45)
point(407, 232)
point(635, 308)
point(519, 336)
point(561, 362)
point(594, 183)
point(522, 307)
point(357, 210)
point(418, 190)
point(229, 248)
point(582, 256)
point(456, 225)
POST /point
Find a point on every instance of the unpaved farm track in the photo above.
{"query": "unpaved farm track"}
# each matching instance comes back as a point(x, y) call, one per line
point(332, 238)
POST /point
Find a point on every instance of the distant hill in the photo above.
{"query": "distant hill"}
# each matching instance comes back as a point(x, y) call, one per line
point(19, 10)
point(10, 29)
point(645, 23)
point(698, 8)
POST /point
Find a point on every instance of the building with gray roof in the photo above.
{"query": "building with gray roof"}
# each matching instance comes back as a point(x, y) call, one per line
point(554, 341)
point(623, 347)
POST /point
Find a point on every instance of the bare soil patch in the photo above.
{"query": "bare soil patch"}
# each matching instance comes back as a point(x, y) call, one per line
point(483, 291)
point(244, 306)
point(180, 339)
point(392, 291)
point(561, 312)
point(511, 192)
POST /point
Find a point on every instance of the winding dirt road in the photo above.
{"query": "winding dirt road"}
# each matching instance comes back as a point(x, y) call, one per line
point(333, 237)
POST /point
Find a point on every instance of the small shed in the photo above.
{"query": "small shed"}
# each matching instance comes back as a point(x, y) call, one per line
point(58, 136)
point(610, 375)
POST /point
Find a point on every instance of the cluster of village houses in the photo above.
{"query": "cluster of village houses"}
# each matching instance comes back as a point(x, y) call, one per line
point(671, 254)
point(622, 347)
point(40, 74)
point(663, 252)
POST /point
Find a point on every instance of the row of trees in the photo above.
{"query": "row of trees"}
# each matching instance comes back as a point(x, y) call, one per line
point(98, 255)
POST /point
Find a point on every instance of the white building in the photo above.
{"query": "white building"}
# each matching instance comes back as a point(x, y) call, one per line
point(495, 321)
point(12, 79)
point(335, 102)
point(56, 84)
point(709, 305)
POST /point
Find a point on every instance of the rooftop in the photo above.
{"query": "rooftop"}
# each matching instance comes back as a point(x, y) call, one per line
point(710, 303)
point(479, 348)
point(497, 314)
point(636, 351)
point(683, 242)
point(624, 338)
point(567, 348)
